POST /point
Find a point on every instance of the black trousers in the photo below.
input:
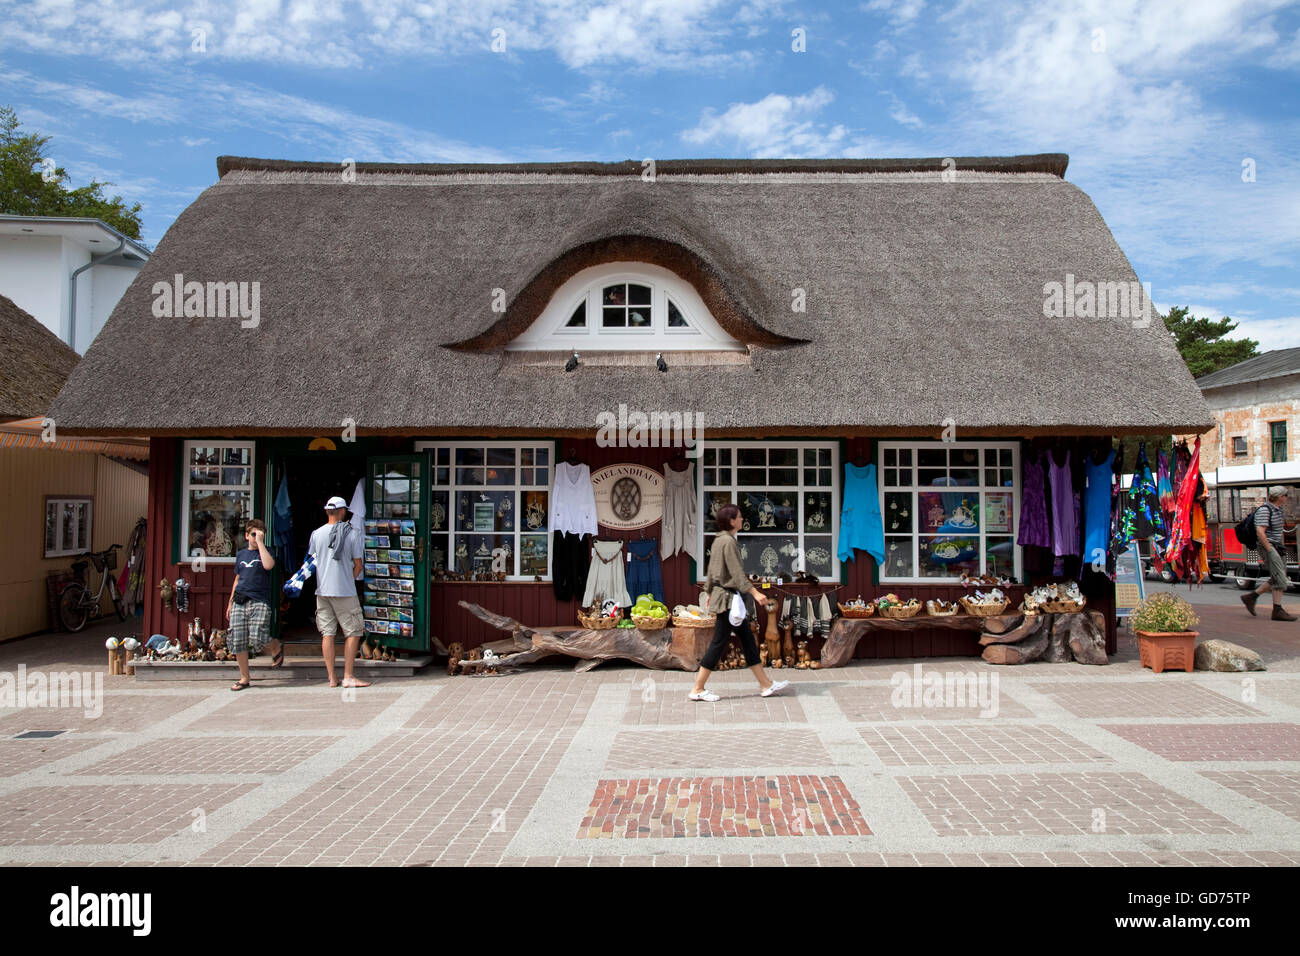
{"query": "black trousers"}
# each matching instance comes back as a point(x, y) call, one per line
point(722, 632)
point(570, 562)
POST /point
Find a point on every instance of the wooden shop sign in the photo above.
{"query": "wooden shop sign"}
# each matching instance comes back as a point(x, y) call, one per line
point(628, 496)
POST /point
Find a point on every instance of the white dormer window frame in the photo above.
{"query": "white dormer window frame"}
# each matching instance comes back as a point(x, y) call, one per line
point(551, 331)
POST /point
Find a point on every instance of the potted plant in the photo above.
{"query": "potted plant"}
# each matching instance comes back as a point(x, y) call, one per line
point(1163, 624)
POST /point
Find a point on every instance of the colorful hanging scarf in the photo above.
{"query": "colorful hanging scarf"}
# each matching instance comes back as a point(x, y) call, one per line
point(1164, 487)
point(1141, 517)
point(1182, 551)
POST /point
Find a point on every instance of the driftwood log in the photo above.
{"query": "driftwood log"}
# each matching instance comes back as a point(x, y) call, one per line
point(1078, 636)
point(846, 632)
point(1027, 627)
point(1029, 649)
point(664, 649)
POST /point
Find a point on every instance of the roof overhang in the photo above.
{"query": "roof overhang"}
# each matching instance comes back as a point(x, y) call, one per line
point(93, 235)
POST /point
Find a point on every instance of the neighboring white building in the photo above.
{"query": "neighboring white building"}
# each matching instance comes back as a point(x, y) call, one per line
point(51, 265)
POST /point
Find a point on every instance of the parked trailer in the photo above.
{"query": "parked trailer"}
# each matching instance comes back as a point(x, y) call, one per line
point(1235, 492)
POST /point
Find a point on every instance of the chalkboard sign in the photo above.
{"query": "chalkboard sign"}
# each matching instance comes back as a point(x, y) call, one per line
point(1130, 588)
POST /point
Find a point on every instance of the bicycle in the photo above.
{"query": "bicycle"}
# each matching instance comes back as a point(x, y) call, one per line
point(77, 604)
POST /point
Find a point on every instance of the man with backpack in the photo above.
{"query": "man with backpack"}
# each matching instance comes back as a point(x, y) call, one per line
point(1268, 533)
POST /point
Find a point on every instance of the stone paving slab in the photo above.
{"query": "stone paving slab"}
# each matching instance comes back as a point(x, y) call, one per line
point(1074, 767)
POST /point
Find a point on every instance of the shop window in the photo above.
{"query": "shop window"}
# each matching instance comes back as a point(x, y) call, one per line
point(789, 497)
point(490, 495)
point(621, 306)
point(68, 525)
point(1239, 447)
point(949, 508)
point(216, 498)
point(1277, 438)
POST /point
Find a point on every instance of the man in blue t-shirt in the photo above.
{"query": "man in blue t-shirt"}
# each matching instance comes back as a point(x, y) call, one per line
point(249, 607)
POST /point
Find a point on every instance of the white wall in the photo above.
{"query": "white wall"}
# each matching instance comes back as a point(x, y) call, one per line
point(101, 288)
point(33, 273)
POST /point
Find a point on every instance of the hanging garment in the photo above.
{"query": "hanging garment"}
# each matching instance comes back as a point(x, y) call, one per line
point(1181, 553)
point(1144, 503)
point(1033, 529)
point(1096, 510)
point(358, 509)
point(680, 530)
point(644, 574)
point(1182, 461)
point(573, 501)
point(606, 581)
point(293, 587)
point(570, 563)
point(1164, 487)
point(283, 522)
point(861, 525)
point(1065, 527)
point(821, 626)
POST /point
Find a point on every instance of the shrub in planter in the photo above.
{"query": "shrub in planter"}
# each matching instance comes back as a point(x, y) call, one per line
point(1163, 624)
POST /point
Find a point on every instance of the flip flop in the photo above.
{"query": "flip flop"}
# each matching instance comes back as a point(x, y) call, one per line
point(241, 685)
point(278, 659)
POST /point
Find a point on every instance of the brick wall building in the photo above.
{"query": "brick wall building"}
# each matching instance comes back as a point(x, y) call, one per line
point(1256, 406)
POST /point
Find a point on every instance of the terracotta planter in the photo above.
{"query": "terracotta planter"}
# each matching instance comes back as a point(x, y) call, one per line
point(1167, 649)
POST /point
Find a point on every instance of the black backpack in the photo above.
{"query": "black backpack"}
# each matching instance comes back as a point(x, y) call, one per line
point(1245, 530)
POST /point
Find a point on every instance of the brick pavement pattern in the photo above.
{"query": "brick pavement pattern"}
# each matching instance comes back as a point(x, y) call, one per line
point(1081, 766)
point(722, 807)
point(1217, 742)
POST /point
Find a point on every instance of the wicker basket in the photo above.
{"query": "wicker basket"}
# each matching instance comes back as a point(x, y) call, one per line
point(1061, 607)
point(649, 623)
point(930, 610)
point(982, 610)
point(700, 622)
point(596, 622)
point(900, 613)
point(857, 613)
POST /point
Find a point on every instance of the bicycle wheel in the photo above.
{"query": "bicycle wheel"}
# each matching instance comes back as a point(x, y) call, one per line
point(72, 611)
point(118, 604)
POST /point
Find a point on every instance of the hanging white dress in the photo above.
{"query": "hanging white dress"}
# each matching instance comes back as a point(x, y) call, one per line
point(680, 530)
point(607, 580)
point(573, 500)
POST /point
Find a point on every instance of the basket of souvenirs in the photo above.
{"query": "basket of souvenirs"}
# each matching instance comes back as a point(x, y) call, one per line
point(647, 622)
point(857, 609)
point(692, 615)
point(600, 618)
point(1054, 599)
point(985, 605)
point(939, 608)
point(896, 609)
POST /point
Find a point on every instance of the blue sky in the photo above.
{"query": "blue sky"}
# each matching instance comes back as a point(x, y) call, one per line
point(1158, 103)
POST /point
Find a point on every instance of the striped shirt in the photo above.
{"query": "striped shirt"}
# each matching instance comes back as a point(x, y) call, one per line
point(1269, 517)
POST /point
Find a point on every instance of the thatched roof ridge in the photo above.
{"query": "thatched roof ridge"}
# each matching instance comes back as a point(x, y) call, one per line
point(34, 364)
point(924, 304)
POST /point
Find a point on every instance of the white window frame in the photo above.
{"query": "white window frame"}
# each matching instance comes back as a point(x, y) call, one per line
point(706, 528)
point(186, 554)
point(453, 489)
point(68, 502)
point(549, 332)
point(914, 489)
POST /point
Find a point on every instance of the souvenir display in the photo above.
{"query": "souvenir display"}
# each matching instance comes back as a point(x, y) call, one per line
point(857, 608)
point(893, 606)
point(407, 540)
point(941, 608)
point(985, 605)
point(389, 576)
point(1054, 599)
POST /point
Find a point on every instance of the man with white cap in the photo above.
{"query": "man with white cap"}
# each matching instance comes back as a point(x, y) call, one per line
point(1268, 529)
point(339, 550)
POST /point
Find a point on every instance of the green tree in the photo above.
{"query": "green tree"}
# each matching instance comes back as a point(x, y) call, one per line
point(31, 185)
point(1202, 344)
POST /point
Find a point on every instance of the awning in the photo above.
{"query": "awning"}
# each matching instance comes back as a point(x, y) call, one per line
point(27, 433)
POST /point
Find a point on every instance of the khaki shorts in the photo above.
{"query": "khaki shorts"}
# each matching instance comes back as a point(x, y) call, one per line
point(333, 613)
point(1276, 568)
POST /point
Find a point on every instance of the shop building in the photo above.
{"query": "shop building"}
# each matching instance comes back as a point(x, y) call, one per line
point(447, 335)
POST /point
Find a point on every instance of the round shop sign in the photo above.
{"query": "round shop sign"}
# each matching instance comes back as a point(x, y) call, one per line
point(628, 496)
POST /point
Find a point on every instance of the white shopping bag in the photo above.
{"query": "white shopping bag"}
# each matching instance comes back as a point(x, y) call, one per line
point(738, 610)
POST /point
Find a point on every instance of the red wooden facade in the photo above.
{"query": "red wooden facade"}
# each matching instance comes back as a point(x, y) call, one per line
point(532, 602)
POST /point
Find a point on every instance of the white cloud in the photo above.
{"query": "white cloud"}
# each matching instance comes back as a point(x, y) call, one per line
point(900, 114)
point(899, 12)
point(193, 141)
point(776, 125)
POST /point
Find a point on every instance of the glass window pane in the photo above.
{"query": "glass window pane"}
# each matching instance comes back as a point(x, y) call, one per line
point(824, 477)
point(500, 476)
point(675, 318)
point(444, 456)
point(724, 477)
point(438, 511)
point(999, 556)
point(768, 553)
point(891, 478)
point(891, 456)
point(1006, 481)
point(784, 477)
point(614, 318)
point(818, 552)
point(932, 476)
point(724, 456)
point(536, 513)
point(965, 476)
point(932, 457)
point(470, 476)
point(83, 525)
point(51, 525)
point(997, 512)
point(525, 476)
point(638, 294)
point(542, 455)
point(785, 457)
point(990, 456)
point(712, 501)
point(817, 514)
point(898, 512)
point(639, 318)
point(964, 457)
point(1004, 456)
point(768, 510)
point(236, 476)
point(525, 456)
point(947, 556)
point(579, 318)
point(905, 456)
point(442, 476)
point(898, 558)
point(990, 476)
point(202, 456)
point(202, 475)
point(540, 477)
point(438, 552)
point(710, 476)
point(534, 554)
point(751, 456)
point(709, 456)
point(614, 295)
point(216, 521)
point(824, 456)
point(751, 476)
point(69, 537)
point(905, 476)
point(469, 456)
point(810, 456)
point(810, 476)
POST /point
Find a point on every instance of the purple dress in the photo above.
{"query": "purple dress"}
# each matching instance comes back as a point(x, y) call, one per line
point(1033, 505)
point(1065, 516)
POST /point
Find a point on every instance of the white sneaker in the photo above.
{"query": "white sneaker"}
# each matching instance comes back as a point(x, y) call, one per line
point(776, 686)
point(705, 695)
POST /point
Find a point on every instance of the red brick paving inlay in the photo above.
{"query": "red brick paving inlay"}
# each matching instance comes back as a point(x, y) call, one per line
point(1261, 741)
point(722, 806)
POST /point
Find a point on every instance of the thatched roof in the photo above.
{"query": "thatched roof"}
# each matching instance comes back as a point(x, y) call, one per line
point(924, 302)
point(34, 364)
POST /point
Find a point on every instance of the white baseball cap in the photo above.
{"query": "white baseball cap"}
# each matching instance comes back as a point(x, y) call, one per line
point(335, 503)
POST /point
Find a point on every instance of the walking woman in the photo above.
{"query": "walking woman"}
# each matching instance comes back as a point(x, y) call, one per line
point(727, 577)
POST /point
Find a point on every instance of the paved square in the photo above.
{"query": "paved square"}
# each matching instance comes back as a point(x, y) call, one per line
point(716, 748)
point(1276, 789)
point(674, 707)
point(780, 806)
point(72, 815)
point(19, 756)
point(982, 743)
point(212, 755)
point(1171, 697)
point(1217, 742)
point(876, 703)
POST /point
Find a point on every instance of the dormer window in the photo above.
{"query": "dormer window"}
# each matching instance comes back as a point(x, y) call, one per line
point(625, 306)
